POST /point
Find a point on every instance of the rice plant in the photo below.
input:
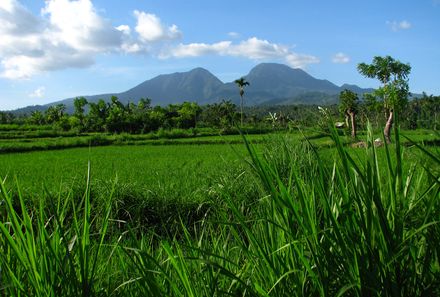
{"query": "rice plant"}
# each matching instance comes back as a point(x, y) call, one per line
point(364, 224)
point(50, 250)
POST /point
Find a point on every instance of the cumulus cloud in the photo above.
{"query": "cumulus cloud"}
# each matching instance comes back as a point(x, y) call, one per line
point(296, 60)
point(38, 93)
point(150, 28)
point(57, 39)
point(399, 25)
point(252, 48)
point(340, 58)
point(16, 19)
point(71, 33)
point(77, 24)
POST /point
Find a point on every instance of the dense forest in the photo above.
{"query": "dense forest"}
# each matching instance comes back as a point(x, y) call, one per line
point(143, 117)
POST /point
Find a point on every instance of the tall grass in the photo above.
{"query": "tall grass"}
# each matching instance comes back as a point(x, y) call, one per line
point(366, 226)
point(50, 250)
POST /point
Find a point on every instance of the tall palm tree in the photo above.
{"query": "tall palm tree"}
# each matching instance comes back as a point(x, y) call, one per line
point(393, 75)
point(241, 83)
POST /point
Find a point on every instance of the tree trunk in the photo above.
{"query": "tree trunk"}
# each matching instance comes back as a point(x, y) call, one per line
point(353, 124)
point(241, 109)
point(388, 126)
point(346, 120)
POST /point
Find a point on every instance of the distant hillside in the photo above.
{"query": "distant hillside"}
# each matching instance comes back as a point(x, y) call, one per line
point(196, 85)
point(270, 83)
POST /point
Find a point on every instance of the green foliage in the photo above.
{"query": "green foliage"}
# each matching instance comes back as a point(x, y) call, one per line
point(6, 117)
point(142, 118)
point(394, 76)
point(49, 250)
point(395, 90)
point(55, 113)
point(359, 222)
point(219, 115)
point(349, 106)
point(349, 102)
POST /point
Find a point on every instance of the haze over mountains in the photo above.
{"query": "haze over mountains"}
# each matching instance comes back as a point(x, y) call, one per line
point(270, 84)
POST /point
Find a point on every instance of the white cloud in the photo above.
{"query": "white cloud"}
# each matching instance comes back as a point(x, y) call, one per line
point(405, 25)
point(252, 48)
point(150, 28)
point(124, 29)
point(234, 35)
point(38, 93)
point(396, 25)
point(258, 49)
point(301, 60)
point(67, 34)
point(196, 50)
point(16, 19)
point(71, 33)
point(340, 58)
point(77, 24)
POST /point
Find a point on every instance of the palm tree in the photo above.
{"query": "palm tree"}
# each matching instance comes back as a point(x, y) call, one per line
point(393, 75)
point(241, 83)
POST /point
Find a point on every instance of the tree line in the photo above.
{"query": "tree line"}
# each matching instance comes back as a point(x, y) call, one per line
point(380, 108)
point(140, 117)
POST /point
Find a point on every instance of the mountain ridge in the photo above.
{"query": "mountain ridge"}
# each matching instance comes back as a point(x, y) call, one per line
point(269, 83)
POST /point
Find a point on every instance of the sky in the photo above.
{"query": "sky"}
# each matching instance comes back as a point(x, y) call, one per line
point(56, 49)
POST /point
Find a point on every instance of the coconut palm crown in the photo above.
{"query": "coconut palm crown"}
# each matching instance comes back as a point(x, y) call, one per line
point(241, 83)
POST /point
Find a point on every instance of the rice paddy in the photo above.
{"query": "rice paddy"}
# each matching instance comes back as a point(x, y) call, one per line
point(279, 217)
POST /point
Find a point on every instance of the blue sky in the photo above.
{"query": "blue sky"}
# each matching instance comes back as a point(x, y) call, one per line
point(56, 49)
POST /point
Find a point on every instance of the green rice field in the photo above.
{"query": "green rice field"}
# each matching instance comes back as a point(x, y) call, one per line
point(264, 215)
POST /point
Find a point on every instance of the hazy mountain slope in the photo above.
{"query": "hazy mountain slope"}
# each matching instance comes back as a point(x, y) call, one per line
point(270, 83)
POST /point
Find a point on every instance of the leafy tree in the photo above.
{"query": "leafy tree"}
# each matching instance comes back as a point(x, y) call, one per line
point(97, 116)
point(424, 111)
point(349, 107)
point(241, 83)
point(79, 104)
point(372, 108)
point(188, 113)
point(54, 113)
point(63, 123)
point(394, 91)
point(116, 120)
point(157, 117)
point(171, 116)
point(221, 114)
point(75, 124)
point(36, 118)
point(142, 115)
point(6, 117)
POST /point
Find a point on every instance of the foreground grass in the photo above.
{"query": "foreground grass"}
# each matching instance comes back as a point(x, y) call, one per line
point(365, 227)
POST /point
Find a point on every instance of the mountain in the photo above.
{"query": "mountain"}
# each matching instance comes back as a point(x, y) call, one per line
point(356, 89)
point(282, 80)
point(270, 83)
point(196, 85)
